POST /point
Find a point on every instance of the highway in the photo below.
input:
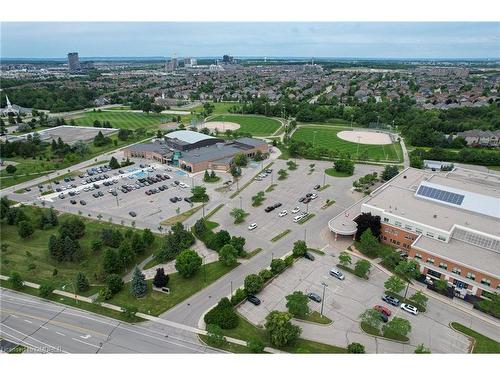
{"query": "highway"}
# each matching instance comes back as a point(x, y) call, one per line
point(47, 327)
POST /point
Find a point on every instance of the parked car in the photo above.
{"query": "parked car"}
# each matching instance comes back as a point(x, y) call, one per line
point(252, 226)
point(301, 199)
point(308, 195)
point(409, 308)
point(317, 187)
point(95, 195)
point(297, 218)
point(308, 256)
point(100, 193)
point(336, 273)
point(382, 317)
point(390, 300)
point(173, 199)
point(283, 213)
point(314, 297)
point(314, 196)
point(383, 310)
point(187, 199)
point(307, 200)
point(72, 201)
point(254, 300)
point(132, 213)
point(61, 196)
point(295, 210)
point(269, 208)
point(269, 171)
point(83, 203)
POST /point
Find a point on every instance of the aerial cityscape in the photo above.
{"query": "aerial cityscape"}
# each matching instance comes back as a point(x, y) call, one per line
point(181, 195)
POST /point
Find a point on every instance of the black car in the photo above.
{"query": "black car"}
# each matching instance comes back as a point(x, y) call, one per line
point(301, 199)
point(390, 300)
point(83, 203)
point(165, 187)
point(73, 201)
point(100, 193)
point(173, 199)
point(187, 199)
point(254, 300)
point(56, 182)
point(309, 256)
point(27, 189)
point(95, 195)
point(132, 213)
point(161, 188)
point(276, 205)
point(176, 182)
point(317, 187)
point(269, 209)
point(309, 195)
point(307, 200)
point(314, 297)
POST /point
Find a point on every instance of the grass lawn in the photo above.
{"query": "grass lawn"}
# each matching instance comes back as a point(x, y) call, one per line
point(376, 332)
point(214, 211)
point(483, 344)
point(324, 187)
point(280, 236)
point(219, 107)
point(246, 331)
point(332, 172)
point(227, 346)
point(182, 216)
point(31, 259)
point(251, 253)
point(271, 188)
point(315, 317)
point(494, 167)
point(155, 303)
point(317, 251)
point(256, 125)
point(306, 218)
point(327, 137)
point(125, 120)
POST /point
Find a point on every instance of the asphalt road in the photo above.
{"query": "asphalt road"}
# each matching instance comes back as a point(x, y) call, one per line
point(46, 327)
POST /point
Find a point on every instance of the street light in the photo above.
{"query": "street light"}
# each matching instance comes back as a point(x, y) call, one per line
point(323, 299)
point(240, 202)
point(324, 178)
point(314, 137)
point(204, 269)
point(305, 234)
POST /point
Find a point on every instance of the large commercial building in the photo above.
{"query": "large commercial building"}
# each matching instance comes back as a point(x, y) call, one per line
point(73, 62)
point(195, 151)
point(448, 222)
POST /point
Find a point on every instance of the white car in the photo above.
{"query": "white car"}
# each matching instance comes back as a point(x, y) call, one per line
point(314, 196)
point(183, 185)
point(295, 210)
point(336, 273)
point(263, 175)
point(297, 218)
point(84, 182)
point(283, 213)
point(409, 308)
point(258, 178)
point(252, 226)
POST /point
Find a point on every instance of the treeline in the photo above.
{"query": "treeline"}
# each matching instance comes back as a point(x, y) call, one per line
point(465, 155)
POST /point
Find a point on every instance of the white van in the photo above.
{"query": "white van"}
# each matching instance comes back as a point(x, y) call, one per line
point(336, 273)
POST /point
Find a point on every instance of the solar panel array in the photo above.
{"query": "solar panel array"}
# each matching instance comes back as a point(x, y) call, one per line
point(440, 195)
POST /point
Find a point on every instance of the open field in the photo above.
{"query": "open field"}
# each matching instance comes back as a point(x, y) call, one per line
point(327, 137)
point(256, 125)
point(121, 119)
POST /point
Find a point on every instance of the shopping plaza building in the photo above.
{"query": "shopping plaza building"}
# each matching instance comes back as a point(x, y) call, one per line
point(195, 152)
point(448, 222)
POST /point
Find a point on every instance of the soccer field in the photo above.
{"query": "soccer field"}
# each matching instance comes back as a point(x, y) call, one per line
point(122, 119)
point(256, 125)
point(327, 137)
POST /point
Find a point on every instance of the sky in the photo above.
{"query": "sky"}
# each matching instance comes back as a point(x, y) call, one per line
point(273, 39)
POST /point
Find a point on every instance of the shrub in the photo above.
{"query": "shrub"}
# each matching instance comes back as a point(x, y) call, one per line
point(45, 290)
point(253, 284)
point(160, 280)
point(15, 280)
point(356, 348)
point(255, 346)
point(289, 260)
point(265, 274)
point(25, 229)
point(114, 283)
point(277, 266)
point(187, 263)
point(215, 336)
point(238, 296)
point(81, 282)
point(222, 315)
point(299, 248)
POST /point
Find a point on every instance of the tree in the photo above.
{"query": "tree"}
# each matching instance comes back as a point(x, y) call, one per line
point(280, 329)
point(223, 315)
point(55, 250)
point(138, 285)
point(421, 349)
point(199, 194)
point(416, 162)
point(397, 326)
point(113, 163)
point(255, 346)
point(371, 318)
point(238, 214)
point(126, 254)
point(344, 165)
point(297, 304)
point(96, 245)
point(299, 248)
point(15, 280)
point(137, 243)
point(440, 284)
point(215, 337)
point(389, 172)
point(161, 279)
point(362, 267)
point(345, 259)
point(25, 229)
point(257, 199)
point(367, 220)
point(148, 237)
point(355, 348)
point(73, 227)
point(228, 255)
point(81, 282)
point(235, 171)
point(253, 284)
point(45, 289)
point(368, 243)
point(206, 176)
point(111, 262)
point(394, 284)
point(10, 169)
point(221, 238)
point(187, 263)
point(240, 160)
point(238, 243)
point(114, 283)
point(282, 174)
point(408, 269)
point(277, 266)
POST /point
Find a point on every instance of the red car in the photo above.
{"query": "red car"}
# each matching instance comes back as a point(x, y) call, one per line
point(383, 310)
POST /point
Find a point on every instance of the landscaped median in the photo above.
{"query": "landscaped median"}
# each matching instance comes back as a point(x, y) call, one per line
point(237, 192)
point(306, 218)
point(280, 236)
point(181, 217)
point(481, 344)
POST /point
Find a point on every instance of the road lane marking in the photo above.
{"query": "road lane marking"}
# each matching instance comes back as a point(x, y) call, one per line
point(32, 338)
point(43, 327)
point(61, 334)
point(86, 336)
point(28, 321)
point(86, 343)
point(14, 316)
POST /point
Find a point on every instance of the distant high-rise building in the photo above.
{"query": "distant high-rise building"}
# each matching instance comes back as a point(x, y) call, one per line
point(172, 64)
point(73, 61)
point(226, 59)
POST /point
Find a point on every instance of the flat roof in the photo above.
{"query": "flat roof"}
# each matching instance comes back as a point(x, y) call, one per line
point(188, 136)
point(481, 259)
point(217, 151)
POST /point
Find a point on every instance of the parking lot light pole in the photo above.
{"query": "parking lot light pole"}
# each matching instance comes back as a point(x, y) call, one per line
point(324, 178)
point(323, 298)
point(231, 288)
point(305, 234)
point(204, 269)
point(241, 203)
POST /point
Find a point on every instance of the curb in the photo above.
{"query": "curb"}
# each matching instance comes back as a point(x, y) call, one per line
point(471, 339)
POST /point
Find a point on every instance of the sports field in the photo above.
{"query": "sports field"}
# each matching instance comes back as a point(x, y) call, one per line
point(256, 125)
point(326, 136)
point(122, 119)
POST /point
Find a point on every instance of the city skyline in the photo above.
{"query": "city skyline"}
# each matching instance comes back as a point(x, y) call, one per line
point(411, 40)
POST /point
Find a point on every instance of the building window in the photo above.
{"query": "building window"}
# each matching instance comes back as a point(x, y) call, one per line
point(471, 276)
point(429, 234)
point(409, 227)
point(398, 243)
point(397, 223)
point(456, 270)
point(418, 256)
point(430, 260)
point(441, 238)
point(418, 230)
point(386, 219)
point(443, 266)
point(486, 282)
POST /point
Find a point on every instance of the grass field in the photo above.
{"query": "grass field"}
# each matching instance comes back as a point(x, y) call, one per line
point(327, 137)
point(483, 344)
point(256, 125)
point(125, 120)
